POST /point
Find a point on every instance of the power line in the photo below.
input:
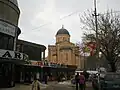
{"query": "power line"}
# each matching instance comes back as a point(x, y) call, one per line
point(42, 25)
point(59, 19)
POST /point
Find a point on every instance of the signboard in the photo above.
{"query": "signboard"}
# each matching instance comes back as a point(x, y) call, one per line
point(12, 54)
point(37, 63)
point(7, 28)
point(34, 63)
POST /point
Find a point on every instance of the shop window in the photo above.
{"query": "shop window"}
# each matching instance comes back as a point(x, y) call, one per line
point(6, 42)
point(10, 43)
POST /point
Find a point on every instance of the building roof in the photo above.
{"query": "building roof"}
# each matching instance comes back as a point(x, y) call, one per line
point(30, 44)
point(14, 2)
point(62, 31)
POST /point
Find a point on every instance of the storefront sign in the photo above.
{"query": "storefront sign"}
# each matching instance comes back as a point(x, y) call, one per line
point(7, 28)
point(12, 55)
point(37, 63)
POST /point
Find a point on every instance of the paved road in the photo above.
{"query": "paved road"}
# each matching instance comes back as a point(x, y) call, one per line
point(23, 87)
point(66, 86)
point(63, 87)
point(51, 86)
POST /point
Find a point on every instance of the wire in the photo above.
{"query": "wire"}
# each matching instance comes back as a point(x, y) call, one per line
point(42, 25)
point(59, 19)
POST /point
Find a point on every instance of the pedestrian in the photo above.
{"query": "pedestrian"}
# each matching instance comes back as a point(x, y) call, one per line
point(86, 75)
point(77, 78)
point(58, 78)
point(95, 82)
point(45, 78)
point(35, 84)
point(82, 82)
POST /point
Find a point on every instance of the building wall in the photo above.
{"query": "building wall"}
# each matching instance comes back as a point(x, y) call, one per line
point(9, 12)
point(34, 51)
point(63, 52)
point(9, 30)
point(61, 38)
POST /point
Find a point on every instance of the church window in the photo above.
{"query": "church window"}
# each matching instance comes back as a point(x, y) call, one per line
point(66, 56)
point(64, 39)
point(68, 39)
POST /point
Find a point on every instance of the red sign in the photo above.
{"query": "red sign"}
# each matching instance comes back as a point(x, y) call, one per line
point(92, 46)
point(40, 63)
point(37, 63)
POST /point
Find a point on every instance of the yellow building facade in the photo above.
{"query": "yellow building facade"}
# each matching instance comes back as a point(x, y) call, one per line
point(64, 51)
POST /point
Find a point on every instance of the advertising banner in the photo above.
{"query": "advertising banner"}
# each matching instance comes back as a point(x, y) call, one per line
point(7, 28)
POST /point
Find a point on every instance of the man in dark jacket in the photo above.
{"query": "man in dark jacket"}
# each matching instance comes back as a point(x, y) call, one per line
point(45, 78)
point(86, 75)
point(77, 79)
point(95, 82)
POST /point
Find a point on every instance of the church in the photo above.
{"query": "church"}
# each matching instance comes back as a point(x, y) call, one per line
point(64, 52)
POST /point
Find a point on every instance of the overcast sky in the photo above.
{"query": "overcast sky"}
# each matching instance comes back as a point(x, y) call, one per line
point(40, 19)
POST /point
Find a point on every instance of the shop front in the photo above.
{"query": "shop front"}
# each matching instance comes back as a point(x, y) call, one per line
point(8, 61)
point(27, 72)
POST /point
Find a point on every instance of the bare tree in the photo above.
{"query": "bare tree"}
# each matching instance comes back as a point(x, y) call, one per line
point(83, 49)
point(108, 35)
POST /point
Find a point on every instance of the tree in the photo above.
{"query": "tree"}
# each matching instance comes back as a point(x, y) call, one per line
point(83, 49)
point(108, 35)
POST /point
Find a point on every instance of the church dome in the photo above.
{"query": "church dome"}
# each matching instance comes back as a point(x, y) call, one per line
point(14, 2)
point(63, 31)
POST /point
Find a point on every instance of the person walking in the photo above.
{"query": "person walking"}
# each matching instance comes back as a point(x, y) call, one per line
point(35, 84)
point(95, 82)
point(45, 78)
point(82, 82)
point(86, 75)
point(77, 78)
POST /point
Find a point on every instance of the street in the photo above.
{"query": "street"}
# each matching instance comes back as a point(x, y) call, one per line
point(64, 87)
point(51, 86)
point(23, 87)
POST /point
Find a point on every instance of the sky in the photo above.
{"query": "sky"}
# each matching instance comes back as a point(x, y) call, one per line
point(41, 19)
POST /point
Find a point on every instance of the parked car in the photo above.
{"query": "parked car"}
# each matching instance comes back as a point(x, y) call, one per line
point(111, 81)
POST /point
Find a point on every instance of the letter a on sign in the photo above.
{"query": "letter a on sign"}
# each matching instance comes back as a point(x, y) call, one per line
point(7, 55)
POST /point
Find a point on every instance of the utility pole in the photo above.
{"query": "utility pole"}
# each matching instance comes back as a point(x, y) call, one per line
point(96, 29)
point(97, 41)
point(84, 58)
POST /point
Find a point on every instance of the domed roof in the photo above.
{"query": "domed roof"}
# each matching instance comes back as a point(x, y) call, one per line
point(63, 31)
point(14, 2)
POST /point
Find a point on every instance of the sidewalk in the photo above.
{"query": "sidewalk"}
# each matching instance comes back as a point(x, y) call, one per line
point(68, 82)
point(88, 84)
point(24, 87)
point(28, 86)
point(52, 82)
